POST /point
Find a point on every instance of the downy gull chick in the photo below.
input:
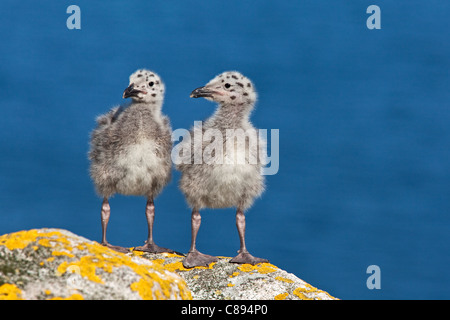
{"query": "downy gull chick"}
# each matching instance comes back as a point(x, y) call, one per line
point(224, 183)
point(130, 151)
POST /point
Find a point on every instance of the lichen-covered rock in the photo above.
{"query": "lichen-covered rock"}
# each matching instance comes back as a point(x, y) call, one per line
point(223, 280)
point(57, 264)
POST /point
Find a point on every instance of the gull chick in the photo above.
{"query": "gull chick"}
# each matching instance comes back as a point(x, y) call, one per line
point(130, 151)
point(223, 184)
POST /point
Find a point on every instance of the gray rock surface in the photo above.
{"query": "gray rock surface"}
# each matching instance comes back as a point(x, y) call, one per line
point(224, 280)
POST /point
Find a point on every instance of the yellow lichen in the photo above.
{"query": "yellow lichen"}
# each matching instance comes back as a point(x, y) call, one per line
point(10, 292)
point(62, 253)
point(308, 292)
point(266, 268)
point(284, 279)
point(144, 288)
point(281, 296)
point(155, 281)
point(235, 274)
point(175, 266)
point(85, 265)
point(106, 259)
point(137, 252)
point(300, 292)
point(171, 255)
point(301, 295)
point(158, 261)
point(230, 285)
point(81, 247)
point(262, 268)
point(18, 240)
point(246, 267)
point(100, 257)
point(21, 239)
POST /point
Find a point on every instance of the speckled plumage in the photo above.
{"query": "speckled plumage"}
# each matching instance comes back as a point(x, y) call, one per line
point(130, 151)
point(130, 148)
point(234, 178)
point(225, 185)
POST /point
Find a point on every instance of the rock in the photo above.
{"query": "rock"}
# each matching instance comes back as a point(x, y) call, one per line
point(57, 264)
point(229, 281)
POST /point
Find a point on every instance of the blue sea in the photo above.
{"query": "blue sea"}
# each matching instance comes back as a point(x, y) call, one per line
point(363, 118)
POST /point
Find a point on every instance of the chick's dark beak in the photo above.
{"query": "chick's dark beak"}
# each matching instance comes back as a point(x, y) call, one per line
point(130, 92)
point(201, 92)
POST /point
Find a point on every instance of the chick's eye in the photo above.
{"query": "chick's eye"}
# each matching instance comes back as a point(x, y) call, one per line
point(227, 85)
point(151, 83)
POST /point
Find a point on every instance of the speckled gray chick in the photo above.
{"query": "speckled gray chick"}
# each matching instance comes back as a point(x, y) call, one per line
point(223, 184)
point(130, 150)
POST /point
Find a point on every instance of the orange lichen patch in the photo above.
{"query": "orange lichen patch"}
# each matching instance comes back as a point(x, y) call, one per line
point(172, 255)
point(262, 268)
point(144, 288)
point(50, 241)
point(62, 253)
point(281, 296)
point(154, 282)
point(158, 261)
point(175, 266)
point(149, 284)
point(299, 293)
point(284, 279)
point(308, 288)
point(21, 239)
point(230, 285)
point(80, 247)
point(10, 292)
point(99, 257)
point(86, 266)
point(304, 293)
point(137, 252)
point(246, 267)
point(235, 274)
point(18, 240)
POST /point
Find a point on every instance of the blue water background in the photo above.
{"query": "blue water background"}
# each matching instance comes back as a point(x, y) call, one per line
point(363, 117)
